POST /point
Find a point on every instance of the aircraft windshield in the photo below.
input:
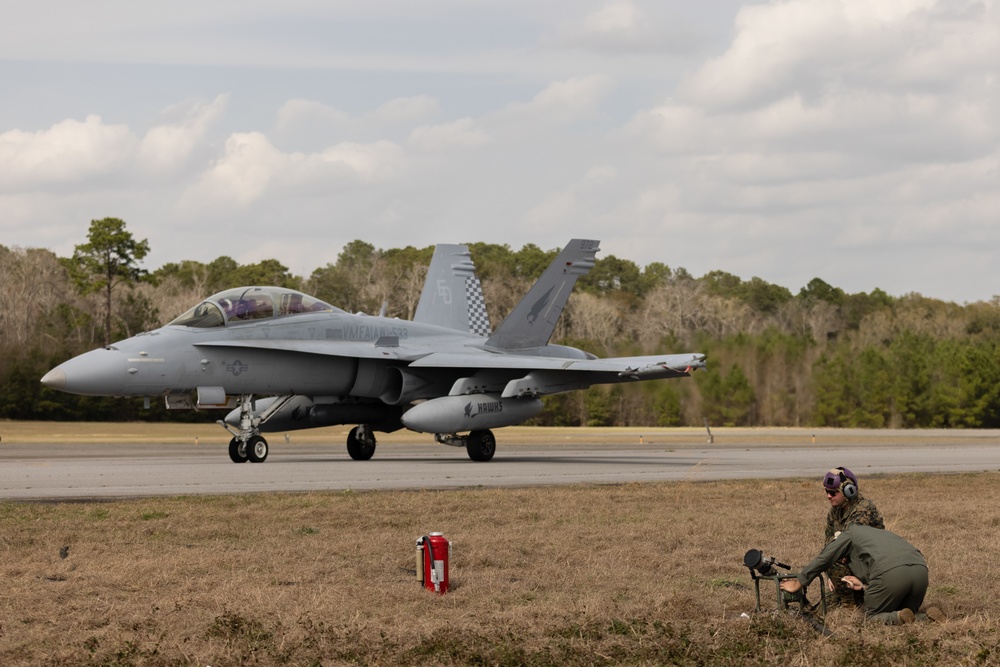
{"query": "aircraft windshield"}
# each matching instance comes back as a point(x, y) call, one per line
point(244, 304)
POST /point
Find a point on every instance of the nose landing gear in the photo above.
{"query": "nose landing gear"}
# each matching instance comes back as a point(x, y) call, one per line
point(247, 443)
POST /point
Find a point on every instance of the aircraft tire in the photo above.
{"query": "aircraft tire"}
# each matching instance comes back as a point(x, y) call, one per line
point(257, 449)
point(237, 451)
point(359, 450)
point(481, 445)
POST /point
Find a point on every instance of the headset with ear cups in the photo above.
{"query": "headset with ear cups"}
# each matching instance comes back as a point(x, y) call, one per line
point(847, 486)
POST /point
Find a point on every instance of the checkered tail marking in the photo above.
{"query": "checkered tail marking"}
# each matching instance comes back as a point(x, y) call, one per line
point(479, 320)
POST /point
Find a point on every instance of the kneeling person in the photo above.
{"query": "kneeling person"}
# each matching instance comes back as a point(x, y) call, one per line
point(847, 507)
point(891, 571)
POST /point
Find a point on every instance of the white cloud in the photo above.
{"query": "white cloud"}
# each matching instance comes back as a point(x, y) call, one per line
point(378, 161)
point(809, 45)
point(835, 81)
point(304, 124)
point(85, 153)
point(298, 112)
point(407, 109)
point(245, 170)
point(623, 27)
point(562, 101)
point(252, 168)
point(70, 152)
point(167, 147)
point(462, 133)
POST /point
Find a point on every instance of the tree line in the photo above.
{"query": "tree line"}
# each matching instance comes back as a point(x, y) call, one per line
point(821, 357)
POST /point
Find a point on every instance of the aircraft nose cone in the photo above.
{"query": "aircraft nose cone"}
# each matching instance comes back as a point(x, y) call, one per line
point(55, 379)
point(101, 372)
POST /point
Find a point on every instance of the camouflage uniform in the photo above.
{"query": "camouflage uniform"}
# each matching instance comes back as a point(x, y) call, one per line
point(860, 511)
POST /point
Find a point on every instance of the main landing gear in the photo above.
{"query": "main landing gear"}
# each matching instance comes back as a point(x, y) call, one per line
point(480, 445)
point(361, 443)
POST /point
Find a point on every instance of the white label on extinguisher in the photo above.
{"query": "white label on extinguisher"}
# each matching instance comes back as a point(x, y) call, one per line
point(439, 570)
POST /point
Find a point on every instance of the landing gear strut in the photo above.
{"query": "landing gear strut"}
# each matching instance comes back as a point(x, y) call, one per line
point(361, 443)
point(247, 443)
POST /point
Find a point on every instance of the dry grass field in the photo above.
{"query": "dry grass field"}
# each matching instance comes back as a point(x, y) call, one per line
point(642, 574)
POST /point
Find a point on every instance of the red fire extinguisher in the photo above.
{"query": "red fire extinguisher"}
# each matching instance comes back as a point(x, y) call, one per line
point(433, 555)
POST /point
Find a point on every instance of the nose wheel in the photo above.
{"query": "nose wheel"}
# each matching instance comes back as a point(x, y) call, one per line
point(254, 450)
point(238, 451)
point(257, 449)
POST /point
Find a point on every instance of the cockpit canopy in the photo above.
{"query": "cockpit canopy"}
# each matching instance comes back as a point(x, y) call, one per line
point(243, 304)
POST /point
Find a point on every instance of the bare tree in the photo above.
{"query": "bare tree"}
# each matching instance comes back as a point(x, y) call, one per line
point(594, 318)
point(33, 283)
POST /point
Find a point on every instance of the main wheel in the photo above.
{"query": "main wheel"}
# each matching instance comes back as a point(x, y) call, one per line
point(257, 449)
point(359, 449)
point(238, 451)
point(481, 445)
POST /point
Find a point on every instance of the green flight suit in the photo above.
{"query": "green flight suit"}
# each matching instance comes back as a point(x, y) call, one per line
point(857, 510)
point(894, 570)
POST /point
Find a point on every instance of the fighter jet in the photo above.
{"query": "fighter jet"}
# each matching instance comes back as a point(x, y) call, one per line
point(282, 360)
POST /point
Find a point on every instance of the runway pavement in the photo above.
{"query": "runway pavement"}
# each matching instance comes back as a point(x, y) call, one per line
point(104, 471)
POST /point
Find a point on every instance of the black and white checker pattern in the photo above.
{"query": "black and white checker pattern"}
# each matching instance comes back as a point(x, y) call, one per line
point(479, 320)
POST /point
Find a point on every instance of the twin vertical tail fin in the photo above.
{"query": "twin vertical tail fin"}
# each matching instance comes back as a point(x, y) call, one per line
point(453, 296)
point(534, 318)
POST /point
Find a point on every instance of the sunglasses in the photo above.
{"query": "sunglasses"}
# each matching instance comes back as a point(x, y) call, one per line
point(832, 492)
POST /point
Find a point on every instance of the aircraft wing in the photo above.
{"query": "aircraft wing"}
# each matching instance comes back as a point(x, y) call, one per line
point(515, 375)
point(682, 364)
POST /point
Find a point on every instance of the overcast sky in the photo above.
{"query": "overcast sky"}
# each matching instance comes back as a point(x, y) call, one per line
point(853, 140)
